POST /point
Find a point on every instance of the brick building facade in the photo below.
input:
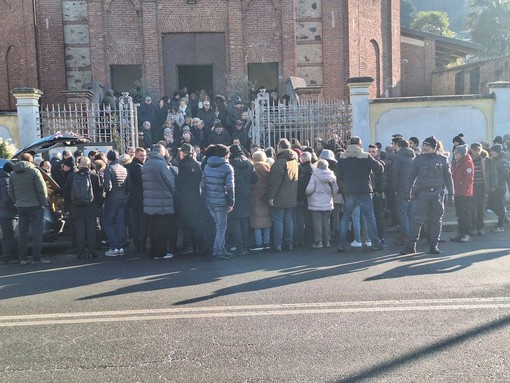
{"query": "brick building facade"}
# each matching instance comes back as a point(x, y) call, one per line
point(65, 44)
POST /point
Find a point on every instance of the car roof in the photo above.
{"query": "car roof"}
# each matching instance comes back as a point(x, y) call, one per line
point(52, 141)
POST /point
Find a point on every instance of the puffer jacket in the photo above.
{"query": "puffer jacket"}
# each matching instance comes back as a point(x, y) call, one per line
point(502, 171)
point(321, 189)
point(244, 178)
point(354, 168)
point(401, 166)
point(7, 209)
point(115, 182)
point(158, 186)
point(218, 182)
point(27, 186)
point(283, 180)
point(430, 172)
point(463, 175)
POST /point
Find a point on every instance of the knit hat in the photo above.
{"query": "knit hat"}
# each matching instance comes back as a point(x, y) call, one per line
point(167, 130)
point(235, 151)
point(498, 140)
point(497, 148)
point(327, 155)
point(462, 149)
point(459, 138)
point(430, 141)
point(186, 148)
point(112, 155)
point(69, 162)
point(186, 129)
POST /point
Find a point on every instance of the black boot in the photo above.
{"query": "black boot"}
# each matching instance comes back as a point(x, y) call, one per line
point(408, 250)
point(434, 250)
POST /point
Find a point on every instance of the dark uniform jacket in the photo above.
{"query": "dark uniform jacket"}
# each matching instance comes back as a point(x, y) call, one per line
point(430, 173)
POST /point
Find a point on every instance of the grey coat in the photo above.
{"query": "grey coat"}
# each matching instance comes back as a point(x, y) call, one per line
point(158, 186)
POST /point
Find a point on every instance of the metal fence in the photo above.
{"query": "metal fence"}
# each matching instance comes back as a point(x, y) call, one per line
point(97, 122)
point(304, 121)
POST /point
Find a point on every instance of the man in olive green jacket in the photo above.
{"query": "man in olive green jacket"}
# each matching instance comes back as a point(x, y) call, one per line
point(29, 193)
point(282, 194)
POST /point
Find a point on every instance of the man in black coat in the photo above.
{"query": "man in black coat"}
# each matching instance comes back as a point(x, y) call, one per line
point(135, 201)
point(85, 215)
point(189, 203)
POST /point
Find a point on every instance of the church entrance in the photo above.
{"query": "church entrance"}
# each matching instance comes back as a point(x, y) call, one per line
point(196, 77)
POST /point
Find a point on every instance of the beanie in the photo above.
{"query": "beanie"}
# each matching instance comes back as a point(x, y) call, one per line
point(497, 148)
point(235, 151)
point(430, 141)
point(462, 149)
point(459, 138)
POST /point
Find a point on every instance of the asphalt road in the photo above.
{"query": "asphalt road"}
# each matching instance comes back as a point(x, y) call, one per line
point(305, 316)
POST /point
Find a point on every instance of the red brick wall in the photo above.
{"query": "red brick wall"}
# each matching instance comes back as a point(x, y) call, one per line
point(413, 71)
point(17, 50)
point(51, 50)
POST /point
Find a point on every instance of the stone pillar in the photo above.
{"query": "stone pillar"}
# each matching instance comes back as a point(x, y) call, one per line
point(501, 91)
point(27, 103)
point(359, 91)
point(78, 96)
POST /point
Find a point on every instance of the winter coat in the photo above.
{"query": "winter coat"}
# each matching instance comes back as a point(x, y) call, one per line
point(158, 186)
point(115, 182)
point(222, 138)
point(244, 177)
point(430, 172)
point(27, 187)
point(502, 171)
point(242, 136)
point(283, 180)
point(305, 172)
point(135, 198)
point(7, 208)
point(463, 175)
point(355, 167)
point(321, 189)
point(218, 182)
point(189, 203)
point(148, 112)
point(401, 166)
point(89, 210)
point(208, 117)
point(260, 216)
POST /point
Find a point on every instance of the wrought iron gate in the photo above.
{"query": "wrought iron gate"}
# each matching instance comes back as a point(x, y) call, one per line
point(305, 121)
point(96, 121)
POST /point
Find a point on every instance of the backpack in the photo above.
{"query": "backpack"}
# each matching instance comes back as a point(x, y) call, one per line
point(81, 189)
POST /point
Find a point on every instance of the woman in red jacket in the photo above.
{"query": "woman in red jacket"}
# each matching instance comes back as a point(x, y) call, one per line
point(463, 175)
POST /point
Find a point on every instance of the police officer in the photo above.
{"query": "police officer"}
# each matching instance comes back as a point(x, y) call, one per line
point(429, 175)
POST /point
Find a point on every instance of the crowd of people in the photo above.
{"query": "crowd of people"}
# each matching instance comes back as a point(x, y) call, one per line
point(196, 185)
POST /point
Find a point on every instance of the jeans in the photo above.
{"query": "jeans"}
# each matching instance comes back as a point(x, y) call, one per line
point(282, 226)
point(356, 223)
point(115, 223)
point(262, 236)
point(30, 217)
point(367, 208)
point(219, 215)
point(403, 215)
point(7, 225)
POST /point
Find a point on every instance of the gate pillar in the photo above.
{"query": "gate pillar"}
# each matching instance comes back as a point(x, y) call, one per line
point(27, 104)
point(359, 91)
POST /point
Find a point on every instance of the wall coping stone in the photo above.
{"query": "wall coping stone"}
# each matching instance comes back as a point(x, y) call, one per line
point(432, 98)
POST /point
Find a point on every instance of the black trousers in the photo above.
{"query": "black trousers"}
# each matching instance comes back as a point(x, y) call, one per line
point(427, 206)
point(463, 210)
point(161, 229)
point(497, 205)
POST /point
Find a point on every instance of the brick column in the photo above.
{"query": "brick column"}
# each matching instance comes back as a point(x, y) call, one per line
point(359, 89)
point(234, 39)
point(151, 43)
point(430, 64)
point(288, 23)
point(27, 104)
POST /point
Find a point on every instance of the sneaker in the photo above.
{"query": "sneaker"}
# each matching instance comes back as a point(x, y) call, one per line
point(456, 238)
point(317, 245)
point(368, 243)
point(408, 250)
point(434, 250)
point(188, 251)
point(327, 244)
point(256, 248)
point(168, 256)
point(276, 249)
point(465, 238)
point(120, 251)
point(112, 253)
point(222, 256)
point(267, 246)
point(157, 257)
point(378, 247)
point(340, 249)
point(24, 262)
point(356, 244)
point(40, 261)
point(498, 229)
point(480, 232)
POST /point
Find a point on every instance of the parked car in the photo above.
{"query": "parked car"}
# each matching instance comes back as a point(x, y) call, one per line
point(54, 219)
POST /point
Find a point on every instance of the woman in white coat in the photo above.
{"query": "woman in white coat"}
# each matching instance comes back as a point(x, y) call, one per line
point(320, 191)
